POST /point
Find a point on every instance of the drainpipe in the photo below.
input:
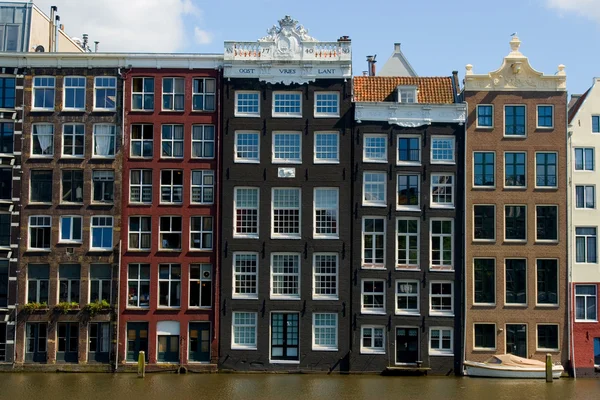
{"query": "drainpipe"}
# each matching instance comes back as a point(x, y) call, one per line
point(570, 251)
point(117, 308)
point(464, 277)
point(217, 271)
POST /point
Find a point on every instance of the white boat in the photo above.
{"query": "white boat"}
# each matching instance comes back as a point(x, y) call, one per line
point(510, 366)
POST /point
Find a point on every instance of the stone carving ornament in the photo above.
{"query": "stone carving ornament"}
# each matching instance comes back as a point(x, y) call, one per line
point(287, 37)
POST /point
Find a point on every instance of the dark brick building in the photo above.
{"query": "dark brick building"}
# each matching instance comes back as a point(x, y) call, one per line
point(407, 204)
point(286, 238)
point(170, 229)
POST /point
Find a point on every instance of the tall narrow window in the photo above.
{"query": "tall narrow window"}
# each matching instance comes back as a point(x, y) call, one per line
point(72, 186)
point(3, 299)
point(514, 120)
point(203, 94)
point(203, 182)
point(325, 331)
point(7, 92)
point(245, 204)
point(7, 141)
point(516, 281)
point(325, 276)
point(43, 92)
point(515, 222)
point(42, 140)
point(407, 297)
point(374, 185)
point(514, 170)
point(442, 190)
point(169, 285)
point(38, 283)
point(285, 336)
point(104, 140)
point(484, 276)
point(441, 298)
point(103, 188)
point(442, 244)
point(373, 254)
point(201, 233)
point(40, 227)
point(408, 243)
point(484, 222)
point(586, 303)
point(74, 92)
point(172, 141)
point(5, 230)
point(326, 212)
point(408, 191)
point(585, 196)
point(171, 186)
point(69, 276)
point(586, 244)
point(142, 97)
point(6, 183)
point(200, 285)
point(484, 169)
point(547, 281)
point(140, 186)
point(73, 140)
point(100, 282)
point(105, 93)
point(485, 116)
point(173, 94)
point(245, 275)
point(584, 159)
point(138, 285)
point(142, 140)
point(203, 141)
point(545, 170)
point(102, 233)
point(70, 228)
point(41, 186)
point(140, 233)
point(247, 148)
point(286, 212)
point(170, 233)
point(373, 296)
point(595, 123)
point(544, 116)
point(243, 326)
point(285, 275)
point(409, 150)
point(547, 223)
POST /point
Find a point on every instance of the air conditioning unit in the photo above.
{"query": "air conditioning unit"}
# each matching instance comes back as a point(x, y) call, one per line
point(70, 250)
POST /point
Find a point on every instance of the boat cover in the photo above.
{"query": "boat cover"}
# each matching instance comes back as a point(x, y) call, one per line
point(510, 360)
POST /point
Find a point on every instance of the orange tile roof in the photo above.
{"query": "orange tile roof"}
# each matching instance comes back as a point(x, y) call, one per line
point(431, 90)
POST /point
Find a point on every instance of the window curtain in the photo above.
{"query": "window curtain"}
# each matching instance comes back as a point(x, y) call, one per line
point(44, 135)
point(104, 136)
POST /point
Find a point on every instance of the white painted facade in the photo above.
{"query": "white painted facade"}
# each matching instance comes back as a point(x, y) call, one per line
point(581, 136)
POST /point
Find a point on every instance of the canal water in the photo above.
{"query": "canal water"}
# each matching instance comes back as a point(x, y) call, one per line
point(52, 386)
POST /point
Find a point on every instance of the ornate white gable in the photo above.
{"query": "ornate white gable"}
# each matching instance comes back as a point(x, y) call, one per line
point(287, 54)
point(515, 74)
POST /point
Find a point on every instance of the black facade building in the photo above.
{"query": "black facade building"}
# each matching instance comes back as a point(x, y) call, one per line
point(408, 201)
point(286, 242)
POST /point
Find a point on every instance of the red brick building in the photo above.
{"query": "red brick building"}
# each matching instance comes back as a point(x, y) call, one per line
point(169, 267)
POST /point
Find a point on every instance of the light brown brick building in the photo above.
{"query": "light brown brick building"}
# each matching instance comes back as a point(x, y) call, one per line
point(516, 241)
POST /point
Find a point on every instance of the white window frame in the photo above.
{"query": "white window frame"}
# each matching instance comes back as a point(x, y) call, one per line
point(237, 113)
point(34, 88)
point(417, 235)
point(256, 208)
point(452, 139)
point(102, 175)
point(205, 276)
point(409, 207)
point(550, 305)
point(202, 232)
point(417, 295)
point(585, 296)
point(537, 116)
point(205, 94)
point(237, 346)
point(170, 280)
point(495, 337)
point(452, 187)
point(73, 135)
point(60, 226)
point(367, 136)
point(203, 141)
point(34, 135)
point(247, 273)
point(526, 224)
point(477, 117)
point(556, 206)
point(327, 328)
point(138, 281)
point(372, 310)
point(75, 88)
point(407, 89)
point(100, 281)
point(318, 160)
point(141, 186)
point(142, 140)
point(334, 212)
point(107, 89)
point(584, 148)
point(44, 225)
point(526, 301)
point(524, 187)
point(172, 187)
point(364, 264)
point(275, 114)
point(318, 114)
point(172, 140)
point(372, 349)
point(294, 235)
point(297, 274)
point(537, 337)
point(586, 236)
point(173, 93)
point(290, 160)
point(107, 218)
point(441, 313)
point(408, 162)
point(317, 275)
point(139, 232)
point(143, 93)
point(441, 266)
point(438, 351)
point(252, 160)
point(113, 134)
point(170, 231)
point(369, 202)
point(585, 197)
point(202, 187)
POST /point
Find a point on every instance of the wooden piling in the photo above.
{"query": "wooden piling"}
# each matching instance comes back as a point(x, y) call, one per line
point(142, 364)
point(549, 368)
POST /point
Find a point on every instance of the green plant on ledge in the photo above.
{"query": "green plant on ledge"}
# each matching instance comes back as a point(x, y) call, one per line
point(96, 307)
point(65, 306)
point(33, 306)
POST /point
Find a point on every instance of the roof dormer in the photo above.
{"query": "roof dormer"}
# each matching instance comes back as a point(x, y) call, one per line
point(406, 94)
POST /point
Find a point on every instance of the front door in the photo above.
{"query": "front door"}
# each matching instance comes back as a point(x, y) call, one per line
point(168, 348)
point(285, 336)
point(36, 342)
point(137, 340)
point(516, 340)
point(99, 342)
point(199, 339)
point(407, 345)
point(68, 340)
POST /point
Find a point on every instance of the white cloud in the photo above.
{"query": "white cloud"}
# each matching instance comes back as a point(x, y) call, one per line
point(586, 8)
point(128, 25)
point(202, 36)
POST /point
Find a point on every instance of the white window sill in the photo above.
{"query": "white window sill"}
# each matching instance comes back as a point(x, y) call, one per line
point(327, 115)
point(484, 240)
point(142, 110)
point(170, 204)
point(325, 298)
point(484, 304)
point(441, 268)
point(204, 111)
point(173, 111)
point(102, 203)
point(547, 128)
point(324, 348)
point(137, 308)
point(286, 162)
point(69, 157)
point(440, 354)
point(42, 156)
point(515, 240)
point(70, 242)
point(39, 250)
point(443, 162)
point(245, 236)
point(285, 116)
point(409, 313)
point(140, 157)
point(201, 158)
point(368, 160)
point(242, 297)
point(408, 208)
point(553, 241)
point(73, 109)
point(587, 321)
point(555, 305)
point(104, 109)
point(171, 158)
point(101, 249)
point(96, 157)
point(167, 308)
point(485, 127)
point(515, 187)
point(70, 203)
point(321, 162)
point(286, 237)
point(200, 250)
point(515, 136)
point(139, 250)
point(547, 350)
point(238, 161)
point(246, 115)
point(442, 206)
point(42, 109)
point(200, 204)
point(284, 361)
point(323, 237)
point(40, 203)
point(374, 204)
point(243, 348)
point(440, 314)
point(408, 163)
point(286, 298)
point(408, 268)
point(170, 250)
point(367, 351)
point(370, 312)
point(484, 349)
point(377, 267)
point(516, 305)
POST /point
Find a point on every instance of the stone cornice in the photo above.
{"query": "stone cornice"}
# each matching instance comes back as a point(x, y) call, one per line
point(515, 74)
point(410, 115)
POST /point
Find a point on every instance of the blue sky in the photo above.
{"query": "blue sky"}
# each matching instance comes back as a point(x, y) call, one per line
point(437, 36)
